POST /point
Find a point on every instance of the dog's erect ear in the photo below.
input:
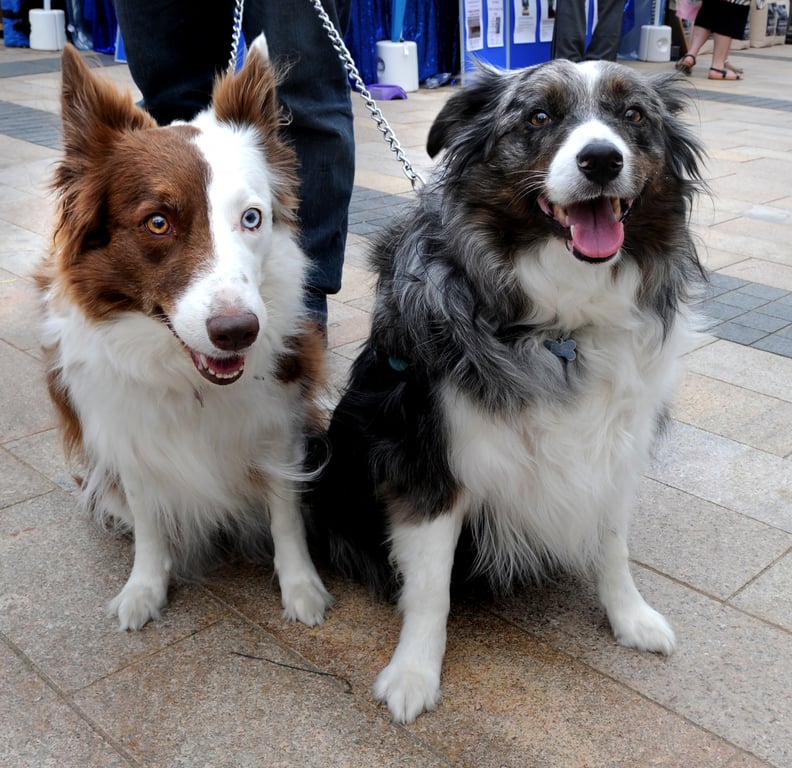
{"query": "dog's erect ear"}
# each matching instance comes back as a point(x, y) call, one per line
point(249, 97)
point(93, 110)
point(95, 114)
point(463, 111)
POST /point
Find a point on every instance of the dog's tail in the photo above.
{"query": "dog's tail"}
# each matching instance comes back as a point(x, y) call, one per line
point(346, 522)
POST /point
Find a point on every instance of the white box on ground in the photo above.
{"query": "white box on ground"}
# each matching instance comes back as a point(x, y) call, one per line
point(655, 43)
point(397, 64)
point(47, 29)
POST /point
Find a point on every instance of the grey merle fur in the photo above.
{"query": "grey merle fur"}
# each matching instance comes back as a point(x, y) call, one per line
point(449, 307)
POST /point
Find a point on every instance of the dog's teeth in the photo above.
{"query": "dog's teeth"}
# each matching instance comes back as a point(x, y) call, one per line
point(560, 214)
point(205, 364)
point(616, 205)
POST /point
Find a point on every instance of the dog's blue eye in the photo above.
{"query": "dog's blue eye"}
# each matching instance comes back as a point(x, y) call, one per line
point(633, 116)
point(251, 218)
point(157, 224)
point(540, 119)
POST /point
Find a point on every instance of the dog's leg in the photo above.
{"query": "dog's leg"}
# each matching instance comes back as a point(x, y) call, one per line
point(146, 591)
point(303, 595)
point(424, 555)
point(634, 622)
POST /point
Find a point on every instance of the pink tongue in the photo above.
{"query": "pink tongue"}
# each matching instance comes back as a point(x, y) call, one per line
point(596, 234)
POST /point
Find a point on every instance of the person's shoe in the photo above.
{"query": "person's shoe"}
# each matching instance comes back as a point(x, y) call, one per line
point(686, 63)
point(723, 74)
point(731, 67)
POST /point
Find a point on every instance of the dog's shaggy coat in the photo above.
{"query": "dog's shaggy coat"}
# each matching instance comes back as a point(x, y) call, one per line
point(529, 315)
point(176, 351)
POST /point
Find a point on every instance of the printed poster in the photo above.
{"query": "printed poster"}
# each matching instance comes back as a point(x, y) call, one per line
point(547, 21)
point(474, 23)
point(495, 23)
point(525, 12)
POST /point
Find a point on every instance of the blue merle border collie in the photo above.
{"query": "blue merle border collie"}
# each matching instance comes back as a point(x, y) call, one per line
point(530, 314)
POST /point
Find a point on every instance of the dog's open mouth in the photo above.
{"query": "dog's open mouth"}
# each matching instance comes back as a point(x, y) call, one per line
point(593, 229)
point(219, 370)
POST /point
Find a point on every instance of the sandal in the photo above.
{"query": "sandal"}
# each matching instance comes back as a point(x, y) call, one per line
point(723, 74)
point(683, 66)
point(732, 68)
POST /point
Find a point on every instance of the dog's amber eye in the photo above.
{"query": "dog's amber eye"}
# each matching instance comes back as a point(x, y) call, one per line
point(540, 119)
point(158, 224)
point(251, 218)
point(633, 116)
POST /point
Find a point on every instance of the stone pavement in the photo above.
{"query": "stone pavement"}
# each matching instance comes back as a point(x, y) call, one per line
point(532, 681)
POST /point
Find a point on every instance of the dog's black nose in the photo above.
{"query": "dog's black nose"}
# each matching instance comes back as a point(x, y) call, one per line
point(233, 332)
point(600, 162)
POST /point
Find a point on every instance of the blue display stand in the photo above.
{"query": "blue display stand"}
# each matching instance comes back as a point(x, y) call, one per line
point(470, 29)
point(512, 55)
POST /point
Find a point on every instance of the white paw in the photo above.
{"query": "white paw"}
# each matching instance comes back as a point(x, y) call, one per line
point(136, 603)
point(407, 691)
point(645, 629)
point(305, 601)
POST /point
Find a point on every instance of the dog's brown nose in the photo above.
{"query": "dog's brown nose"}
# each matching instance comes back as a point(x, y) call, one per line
point(233, 332)
point(600, 162)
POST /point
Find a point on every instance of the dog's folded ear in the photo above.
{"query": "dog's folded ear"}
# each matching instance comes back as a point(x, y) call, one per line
point(685, 152)
point(461, 116)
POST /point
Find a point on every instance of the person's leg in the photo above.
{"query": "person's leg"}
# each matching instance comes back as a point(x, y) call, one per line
point(699, 36)
point(316, 96)
point(721, 45)
point(174, 49)
point(569, 30)
point(604, 43)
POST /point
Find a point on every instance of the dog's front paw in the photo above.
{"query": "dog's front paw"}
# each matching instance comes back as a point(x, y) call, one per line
point(136, 604)
point(407, 691)
point(305, 601)
point(645, 629)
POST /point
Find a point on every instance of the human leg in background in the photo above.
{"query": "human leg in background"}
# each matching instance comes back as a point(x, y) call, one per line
point(719, 69)
point(699, 36)
point(604, 43)
point(174, 50)
point(725, 21)
point(316, 96)
point(569, 30)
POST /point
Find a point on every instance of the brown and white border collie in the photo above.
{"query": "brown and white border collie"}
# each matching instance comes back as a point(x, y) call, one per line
point(529, 316)
point(177, 352)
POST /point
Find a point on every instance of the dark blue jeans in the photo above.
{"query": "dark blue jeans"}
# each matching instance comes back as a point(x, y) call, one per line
point(569, 31)
point(176, 47)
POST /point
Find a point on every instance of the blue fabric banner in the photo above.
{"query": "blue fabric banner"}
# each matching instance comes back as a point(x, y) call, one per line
point(431, 24)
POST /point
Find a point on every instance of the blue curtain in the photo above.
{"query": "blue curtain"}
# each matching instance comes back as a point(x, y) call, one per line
point(636, 14)
point(432, 24)
point(100, 16)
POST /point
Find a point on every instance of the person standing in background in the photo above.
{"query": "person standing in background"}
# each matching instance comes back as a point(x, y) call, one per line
point(176, 48)
point(724, 20)
point(569, 31)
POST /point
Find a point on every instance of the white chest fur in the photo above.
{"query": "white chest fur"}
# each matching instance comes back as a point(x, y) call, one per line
point(547, 482)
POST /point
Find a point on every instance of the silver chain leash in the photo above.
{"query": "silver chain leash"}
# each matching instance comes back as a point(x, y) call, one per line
point(236, 36)
point(416, 180)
